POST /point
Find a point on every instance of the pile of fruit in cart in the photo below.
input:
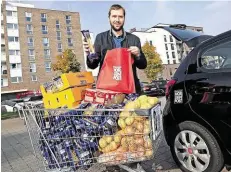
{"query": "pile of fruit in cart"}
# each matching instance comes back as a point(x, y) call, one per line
point(106, 127)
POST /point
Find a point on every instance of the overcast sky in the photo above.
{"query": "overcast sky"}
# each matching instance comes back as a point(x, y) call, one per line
point(214, 16)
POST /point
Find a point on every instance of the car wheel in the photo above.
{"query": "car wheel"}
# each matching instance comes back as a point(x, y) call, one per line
point(162, 92)
point(15, 109)
point(194, 149)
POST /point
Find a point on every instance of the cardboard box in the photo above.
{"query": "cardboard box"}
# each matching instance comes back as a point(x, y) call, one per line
point(70, 97)
point(98, 96)
point(67, 80)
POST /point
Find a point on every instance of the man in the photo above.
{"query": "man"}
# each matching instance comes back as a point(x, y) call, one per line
point(116, 37)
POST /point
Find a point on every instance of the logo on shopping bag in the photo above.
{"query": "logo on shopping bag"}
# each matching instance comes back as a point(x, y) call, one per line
point(117, 73)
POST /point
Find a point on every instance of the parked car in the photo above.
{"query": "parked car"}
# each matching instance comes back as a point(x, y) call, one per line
point(10, 106)
point(151, 89)
point(160, 85)
point(197, 114)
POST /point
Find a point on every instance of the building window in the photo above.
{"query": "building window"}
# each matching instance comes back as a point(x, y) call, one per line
point(174, 61)
point(47, 66)
point(47, 54)
point(16, 79)
point(12, 39)
point(46, 42)
point(166, 46)
point(14, 52)
point(15, 66)
point(165, 38)
point(12, 26)
point(28, 16)
point(1, 82)
point(173, 55)
point(31, 54)
point(171, 39)
point(32, 67)
point(167, 55)
point(43, 17)
point(44, 29)
point(29, 29)
point(11, 13)
point(34, 78)
point(68, 19)
point(70, 42)
point(58, 34)
point(168, 61)
point(59, 47)
point(57, 25)
point(150, 42)
point(172, 46)
point(69, 30)
point(30, 41)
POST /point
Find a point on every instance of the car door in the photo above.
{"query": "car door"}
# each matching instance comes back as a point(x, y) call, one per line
point(209, 85)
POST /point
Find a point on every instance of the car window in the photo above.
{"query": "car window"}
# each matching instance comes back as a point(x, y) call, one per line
point(218, 57)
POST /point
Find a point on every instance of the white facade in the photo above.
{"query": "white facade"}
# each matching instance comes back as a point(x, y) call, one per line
point(95, 71)
point(3, 68)
point(16, 72)
point(12, 18)
point(4, 82)
point(156, 37)
point(3, 56)
point(13, 32)
point(14, 59)
point(2, 29)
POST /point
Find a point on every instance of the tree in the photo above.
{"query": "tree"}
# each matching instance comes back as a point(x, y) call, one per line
point(67, 62)
point(154, 62)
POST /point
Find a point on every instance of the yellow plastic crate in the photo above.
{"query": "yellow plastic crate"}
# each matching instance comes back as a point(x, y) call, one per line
point(69, 80)
point(70, 97)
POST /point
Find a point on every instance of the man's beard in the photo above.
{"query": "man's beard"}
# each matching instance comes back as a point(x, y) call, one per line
point(115, 29)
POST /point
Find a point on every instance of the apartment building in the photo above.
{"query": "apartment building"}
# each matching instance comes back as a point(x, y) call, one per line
point(31, 39)
point(167, 47)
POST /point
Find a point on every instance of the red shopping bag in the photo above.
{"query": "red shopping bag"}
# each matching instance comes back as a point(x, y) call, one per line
point(116, 73)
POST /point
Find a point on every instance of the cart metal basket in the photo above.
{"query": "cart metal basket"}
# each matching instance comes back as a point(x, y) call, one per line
point(83, 139)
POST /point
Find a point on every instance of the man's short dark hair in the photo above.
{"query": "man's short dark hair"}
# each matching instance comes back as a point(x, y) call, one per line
point(115, 7)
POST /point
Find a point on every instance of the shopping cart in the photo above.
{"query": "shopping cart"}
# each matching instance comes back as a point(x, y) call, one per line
point(93, 138)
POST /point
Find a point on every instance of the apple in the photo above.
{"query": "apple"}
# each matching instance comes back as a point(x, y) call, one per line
point(143, 98)
point(140, 127)
point(129, 120)
point(145, 105)
point(108, 139)
point(121, 123)
point(113, 146)
point(117, 138)
point(102, 143)
point(153, 100)
point(130, 105)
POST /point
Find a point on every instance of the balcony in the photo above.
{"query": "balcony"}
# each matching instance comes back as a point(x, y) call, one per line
point(12, 32)
point(3, 57)
point(4, 82)
point(3, 41)
point(14, 58)
point(11, 19)
point(4, 73)
point(16, 72)
point(14, 45)
point(2, 29)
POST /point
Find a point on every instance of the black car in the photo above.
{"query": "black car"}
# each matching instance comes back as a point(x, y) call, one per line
point(197, 114)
